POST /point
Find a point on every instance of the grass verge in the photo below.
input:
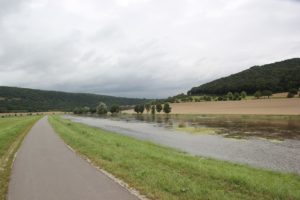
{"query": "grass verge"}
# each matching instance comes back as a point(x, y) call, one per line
point(12, 132)
point(164, 173)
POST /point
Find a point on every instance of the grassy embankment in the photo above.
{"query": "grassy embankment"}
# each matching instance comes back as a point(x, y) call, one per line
point(165, 173)
point(12, 132)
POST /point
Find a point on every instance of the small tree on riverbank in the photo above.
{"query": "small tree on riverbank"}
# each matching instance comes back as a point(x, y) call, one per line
point(158, 107)
point(167, 108)
point(148, 107)
point(114, 109)
point(153, 109)
point(101, 108)
point(139, 109)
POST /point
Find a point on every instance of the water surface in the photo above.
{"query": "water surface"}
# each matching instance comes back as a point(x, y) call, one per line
point(253, 149)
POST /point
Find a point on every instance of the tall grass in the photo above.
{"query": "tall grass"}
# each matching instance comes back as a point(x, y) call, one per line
point(164, 173)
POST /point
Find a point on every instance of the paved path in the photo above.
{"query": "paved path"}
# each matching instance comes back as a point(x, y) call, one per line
point(45, 169)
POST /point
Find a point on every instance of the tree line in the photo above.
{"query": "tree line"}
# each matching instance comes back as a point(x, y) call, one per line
point(13, 99)
point(276, 77)
point(101, 109)
point(153, 108)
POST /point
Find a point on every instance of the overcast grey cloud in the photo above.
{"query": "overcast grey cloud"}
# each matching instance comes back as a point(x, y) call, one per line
point(140, 48)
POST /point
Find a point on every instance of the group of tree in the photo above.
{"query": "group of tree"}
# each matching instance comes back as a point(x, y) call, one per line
point(265, 93)
point(276, 77)
point(158, 107)
point(293, 92)
point(13, 99)
point(101, 109)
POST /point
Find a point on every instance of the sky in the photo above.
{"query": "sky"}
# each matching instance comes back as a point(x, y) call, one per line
point(140, 48)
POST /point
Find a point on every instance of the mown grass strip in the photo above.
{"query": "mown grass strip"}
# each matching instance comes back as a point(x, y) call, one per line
point(12, 132)
point(164, 173)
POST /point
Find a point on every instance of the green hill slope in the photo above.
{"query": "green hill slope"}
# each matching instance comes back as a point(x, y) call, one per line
point(23, 99)
point(277, 77)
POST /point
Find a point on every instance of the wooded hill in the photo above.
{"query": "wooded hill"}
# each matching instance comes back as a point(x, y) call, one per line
point(276, 77)
point(13, 99)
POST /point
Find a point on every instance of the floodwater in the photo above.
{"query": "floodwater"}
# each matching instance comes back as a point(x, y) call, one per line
point(265, 143)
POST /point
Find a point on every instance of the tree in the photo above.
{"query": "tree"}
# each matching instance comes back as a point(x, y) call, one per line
point(101, 108)
point(85, 110)
point(76, 110)
point(267, 93)
point(236, 96)
point(290, 95)
point(230, 95)
point(167, 108)
point(136, 109)
point(139, 108)
point(147, 107)
point(93, 110)
point(293, 91)
point(257, 94)
point(114, 109)
point(158, 107)
point(243, 94)
point(153, 109)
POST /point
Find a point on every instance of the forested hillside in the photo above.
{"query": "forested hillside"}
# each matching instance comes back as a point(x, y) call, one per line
point(23, 99)
point(276, 77)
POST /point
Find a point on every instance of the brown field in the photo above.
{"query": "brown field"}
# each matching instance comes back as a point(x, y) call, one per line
point(260, 107)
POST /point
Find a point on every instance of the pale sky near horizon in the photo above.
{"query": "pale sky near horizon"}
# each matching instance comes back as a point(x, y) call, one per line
point(140, 48)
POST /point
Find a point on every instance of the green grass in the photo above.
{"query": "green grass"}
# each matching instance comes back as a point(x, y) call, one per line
point(164, 173)
point(12, 132)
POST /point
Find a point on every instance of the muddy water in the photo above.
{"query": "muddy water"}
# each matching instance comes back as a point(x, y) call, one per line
point(276, 155)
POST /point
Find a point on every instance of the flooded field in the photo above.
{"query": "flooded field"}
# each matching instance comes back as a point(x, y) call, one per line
point(271, 142)
point(232, 126)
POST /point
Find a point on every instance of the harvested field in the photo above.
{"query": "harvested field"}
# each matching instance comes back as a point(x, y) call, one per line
point(260, 107)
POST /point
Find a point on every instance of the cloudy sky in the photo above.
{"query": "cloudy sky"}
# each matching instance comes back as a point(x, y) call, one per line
point(140, 48)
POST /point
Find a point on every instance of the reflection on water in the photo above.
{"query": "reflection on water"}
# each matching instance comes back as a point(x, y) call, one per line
point(270, 127)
